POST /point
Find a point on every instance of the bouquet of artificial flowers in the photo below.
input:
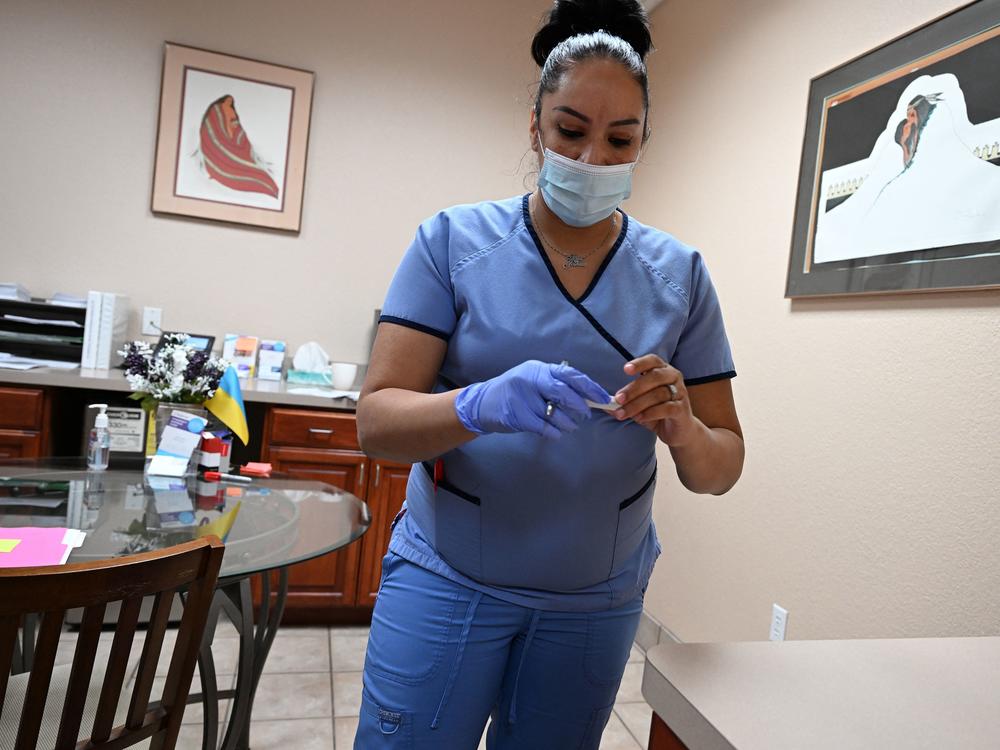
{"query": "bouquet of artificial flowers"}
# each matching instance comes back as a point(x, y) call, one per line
point(175, 373)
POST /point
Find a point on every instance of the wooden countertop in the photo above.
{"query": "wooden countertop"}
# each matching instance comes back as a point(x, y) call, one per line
point(254, 391)
point(894, 694)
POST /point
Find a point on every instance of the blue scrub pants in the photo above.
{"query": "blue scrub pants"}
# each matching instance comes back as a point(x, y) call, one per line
point(443, 658)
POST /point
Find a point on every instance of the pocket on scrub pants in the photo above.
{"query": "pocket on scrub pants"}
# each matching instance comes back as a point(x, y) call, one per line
point(382, 726)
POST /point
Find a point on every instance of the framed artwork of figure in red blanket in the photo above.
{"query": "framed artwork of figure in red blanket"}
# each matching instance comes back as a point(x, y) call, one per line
point(232, 140)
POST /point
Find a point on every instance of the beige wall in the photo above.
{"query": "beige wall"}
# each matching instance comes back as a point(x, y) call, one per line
point(869, 506)
point(418, 104)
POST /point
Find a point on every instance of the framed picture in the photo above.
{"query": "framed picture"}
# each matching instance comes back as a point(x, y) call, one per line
point(232, 139)
point(197, 341)
point(899, 184)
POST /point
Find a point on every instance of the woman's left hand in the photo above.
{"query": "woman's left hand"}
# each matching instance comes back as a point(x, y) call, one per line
point(658, 400)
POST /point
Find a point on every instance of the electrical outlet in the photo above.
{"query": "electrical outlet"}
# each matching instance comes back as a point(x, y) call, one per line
point(779, 620)
point(152, 318)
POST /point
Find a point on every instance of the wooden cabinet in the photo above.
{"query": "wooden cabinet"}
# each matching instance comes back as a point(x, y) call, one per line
point(386, 492)
point(24, 415)
point(323, 446)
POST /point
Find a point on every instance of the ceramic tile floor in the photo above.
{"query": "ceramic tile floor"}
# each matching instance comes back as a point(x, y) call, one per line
point(309, 694)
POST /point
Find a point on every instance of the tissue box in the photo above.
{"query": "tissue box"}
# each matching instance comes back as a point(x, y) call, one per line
point(270, 359)
point(312, 378)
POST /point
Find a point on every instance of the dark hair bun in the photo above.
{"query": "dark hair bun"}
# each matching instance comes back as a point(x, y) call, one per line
point(626, 19)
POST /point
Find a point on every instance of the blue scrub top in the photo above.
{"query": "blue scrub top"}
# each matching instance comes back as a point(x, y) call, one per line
point(553, 524)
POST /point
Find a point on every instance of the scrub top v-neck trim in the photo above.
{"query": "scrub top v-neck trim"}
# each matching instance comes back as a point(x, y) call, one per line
point(526, 214)
point(578, 302)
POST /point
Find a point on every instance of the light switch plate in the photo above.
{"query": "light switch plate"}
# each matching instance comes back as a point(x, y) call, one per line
point(152, 321)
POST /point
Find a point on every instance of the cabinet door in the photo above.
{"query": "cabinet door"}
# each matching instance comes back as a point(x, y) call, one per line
point(22, 408)
point(386, 492)
point(330, 580)
point(20, 444)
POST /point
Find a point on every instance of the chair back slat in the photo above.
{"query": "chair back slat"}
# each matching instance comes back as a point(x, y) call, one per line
point(185, 656)
point(150, 657)
point(27, 643)
point(114, 678)
point(8, 645)
point(38, 680)
point(79, 676)
point(192, 566)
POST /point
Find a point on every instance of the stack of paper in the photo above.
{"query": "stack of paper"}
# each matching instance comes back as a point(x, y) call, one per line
point(67, 300)
point(13, 290)
point(10, 362)
point(27, 546)
point(105, 330)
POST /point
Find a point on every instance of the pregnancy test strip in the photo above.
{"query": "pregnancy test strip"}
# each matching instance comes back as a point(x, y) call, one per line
point(610, 406)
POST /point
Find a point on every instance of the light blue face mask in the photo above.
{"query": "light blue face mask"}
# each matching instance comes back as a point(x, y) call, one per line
point(583, 194)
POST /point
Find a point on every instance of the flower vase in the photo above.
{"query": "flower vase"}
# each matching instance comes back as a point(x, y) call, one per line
point(162, 416)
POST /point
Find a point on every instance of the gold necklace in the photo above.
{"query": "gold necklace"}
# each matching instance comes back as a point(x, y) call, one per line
point(573, 260)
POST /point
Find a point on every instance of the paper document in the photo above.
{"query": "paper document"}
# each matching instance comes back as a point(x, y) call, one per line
point(325, 393)
point(16, 365)
point(40, 322)
point(7, 359)
point(167, 466)
point(36, 545)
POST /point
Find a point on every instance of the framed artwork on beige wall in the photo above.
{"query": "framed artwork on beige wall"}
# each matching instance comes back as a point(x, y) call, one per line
point(232, 139)
point(899, 183)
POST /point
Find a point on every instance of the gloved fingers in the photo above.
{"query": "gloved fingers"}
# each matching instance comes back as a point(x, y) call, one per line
point(539, 426)
point(564, 421)
point(559, 393)
point(582, 384)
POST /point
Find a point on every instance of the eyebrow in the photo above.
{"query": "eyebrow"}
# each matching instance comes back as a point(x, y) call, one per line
point(616, 123)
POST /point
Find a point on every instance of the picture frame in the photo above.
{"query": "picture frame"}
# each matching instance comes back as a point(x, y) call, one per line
point(200, 342)
point(895, 192)
point(232, 139)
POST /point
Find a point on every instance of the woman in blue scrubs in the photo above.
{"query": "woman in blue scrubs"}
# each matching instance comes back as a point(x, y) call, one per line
point(530, 354)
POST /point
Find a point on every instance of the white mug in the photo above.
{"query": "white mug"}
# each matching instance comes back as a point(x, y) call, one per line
point(343, 375)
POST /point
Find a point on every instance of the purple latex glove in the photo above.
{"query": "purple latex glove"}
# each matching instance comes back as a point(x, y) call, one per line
point(515, 401)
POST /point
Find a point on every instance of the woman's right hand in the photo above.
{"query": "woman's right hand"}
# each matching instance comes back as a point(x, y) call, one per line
point(516, 401)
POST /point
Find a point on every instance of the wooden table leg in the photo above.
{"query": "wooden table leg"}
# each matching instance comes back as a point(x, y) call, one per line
point(661, 738)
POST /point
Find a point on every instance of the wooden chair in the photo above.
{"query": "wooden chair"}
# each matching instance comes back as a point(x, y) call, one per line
point(192, 567)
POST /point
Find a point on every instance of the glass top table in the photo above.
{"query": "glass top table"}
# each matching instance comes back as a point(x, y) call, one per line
point(274, 522)
point(266, 524)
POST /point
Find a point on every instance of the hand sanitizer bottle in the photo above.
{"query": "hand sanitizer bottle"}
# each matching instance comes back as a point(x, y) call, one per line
point(99, 441)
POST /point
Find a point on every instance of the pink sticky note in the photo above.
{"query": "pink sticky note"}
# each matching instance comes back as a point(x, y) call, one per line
point(36, 546)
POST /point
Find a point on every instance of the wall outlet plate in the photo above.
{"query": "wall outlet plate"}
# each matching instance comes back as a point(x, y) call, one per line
point(779, 621)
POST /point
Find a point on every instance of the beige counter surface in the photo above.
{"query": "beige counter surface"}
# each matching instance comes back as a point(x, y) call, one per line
point(254, 391)
point(895, 694)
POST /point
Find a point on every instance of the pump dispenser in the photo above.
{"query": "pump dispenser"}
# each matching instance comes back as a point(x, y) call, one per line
point(99, 441)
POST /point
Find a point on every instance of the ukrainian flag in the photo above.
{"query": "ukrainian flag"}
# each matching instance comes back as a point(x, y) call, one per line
point(221, 525)
point(227, 405)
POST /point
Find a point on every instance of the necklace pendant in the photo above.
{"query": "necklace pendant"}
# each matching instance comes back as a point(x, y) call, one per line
point(574, 261)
